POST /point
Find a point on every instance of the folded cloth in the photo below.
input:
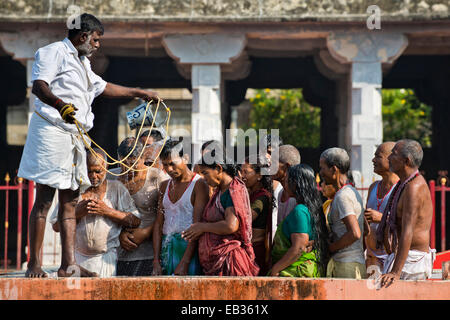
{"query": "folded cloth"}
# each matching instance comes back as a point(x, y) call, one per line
point(418, 265)
point(54, 157)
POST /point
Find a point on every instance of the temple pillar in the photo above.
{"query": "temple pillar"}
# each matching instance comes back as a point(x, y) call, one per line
point(22, 47)
point(207, 57)
point(365, 53)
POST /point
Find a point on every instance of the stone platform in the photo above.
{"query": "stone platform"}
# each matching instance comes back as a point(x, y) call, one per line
point(217, 288)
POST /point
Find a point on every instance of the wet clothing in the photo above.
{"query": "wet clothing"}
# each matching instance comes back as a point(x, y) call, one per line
point(97, 237)
point(146, 201)
point(228, 255)
point(172, 251)
point(135, 268)
point(178, 217)
point(298, 221)
point(139, 262)
point(260, 202)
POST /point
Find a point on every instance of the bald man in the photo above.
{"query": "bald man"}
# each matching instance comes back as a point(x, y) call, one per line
point(405, 227)
point(101, 213)
point(377, 199)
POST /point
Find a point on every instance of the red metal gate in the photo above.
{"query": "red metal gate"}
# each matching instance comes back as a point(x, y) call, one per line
point(18, 186)
point(442, 189)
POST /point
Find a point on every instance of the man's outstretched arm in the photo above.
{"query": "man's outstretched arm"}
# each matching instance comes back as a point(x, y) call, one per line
point(116, 91)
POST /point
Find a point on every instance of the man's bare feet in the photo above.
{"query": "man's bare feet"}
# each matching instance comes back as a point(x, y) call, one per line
point(35, 271)
point(76, 271)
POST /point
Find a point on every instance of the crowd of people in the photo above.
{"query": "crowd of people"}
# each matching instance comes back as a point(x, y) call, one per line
point(158, 215)
point(220, 218)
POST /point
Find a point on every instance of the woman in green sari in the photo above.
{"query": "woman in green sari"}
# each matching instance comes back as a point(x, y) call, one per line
point(290, 256)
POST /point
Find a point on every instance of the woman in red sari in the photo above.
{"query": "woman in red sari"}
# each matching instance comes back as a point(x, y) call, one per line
point(225, 231)
point(260, 189)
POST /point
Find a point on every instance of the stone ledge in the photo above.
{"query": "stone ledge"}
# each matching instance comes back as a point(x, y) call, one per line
point(339, 18)
point(225, 10)
point(217, 288)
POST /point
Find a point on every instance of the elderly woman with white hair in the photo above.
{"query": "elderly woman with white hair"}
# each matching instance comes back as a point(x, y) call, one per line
point(345, 218)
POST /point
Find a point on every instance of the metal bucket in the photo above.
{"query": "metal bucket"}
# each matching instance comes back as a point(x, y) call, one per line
point(137, 115)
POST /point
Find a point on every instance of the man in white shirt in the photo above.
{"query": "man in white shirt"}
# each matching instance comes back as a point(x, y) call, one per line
point(54, 155)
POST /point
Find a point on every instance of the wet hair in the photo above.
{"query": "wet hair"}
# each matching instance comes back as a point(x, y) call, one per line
point(266, 180)
point(210, 144)
point(337, 157)
point(214, 158)
point(289, 154)
point(127, 145)
point(411, 149)
point(302, 182)
point(92, 159)
point(88, 23)
point(172, 147)
point(155, 134)
point(268, 141)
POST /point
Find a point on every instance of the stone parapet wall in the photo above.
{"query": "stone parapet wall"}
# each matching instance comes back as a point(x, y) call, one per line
point(225, 10)
point(217, 288)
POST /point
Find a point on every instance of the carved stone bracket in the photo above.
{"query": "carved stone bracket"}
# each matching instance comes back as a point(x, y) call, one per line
point(364, 54)
point(226, 50)
point(22, 46)
point(370, 49)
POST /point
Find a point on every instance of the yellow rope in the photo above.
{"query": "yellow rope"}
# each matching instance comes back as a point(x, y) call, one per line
point(135, 143)
point(82, 131)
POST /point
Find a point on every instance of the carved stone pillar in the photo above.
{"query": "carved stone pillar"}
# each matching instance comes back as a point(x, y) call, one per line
point(206, 56)
point(365, 52)
point(22, 47)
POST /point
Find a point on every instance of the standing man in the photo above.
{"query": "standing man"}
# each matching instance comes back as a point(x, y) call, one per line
point(377, 199)
point(54, 155)
point(346, 218)
point(181, 202)
point(405, 227)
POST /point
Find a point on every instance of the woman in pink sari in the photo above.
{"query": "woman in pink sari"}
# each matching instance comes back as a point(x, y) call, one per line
point(225, 231)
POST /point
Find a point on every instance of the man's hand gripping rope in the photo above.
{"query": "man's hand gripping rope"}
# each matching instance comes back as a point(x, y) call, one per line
point(67, 113)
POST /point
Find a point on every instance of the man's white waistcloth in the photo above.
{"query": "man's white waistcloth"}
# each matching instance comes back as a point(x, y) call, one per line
point(418, 265)
point(105, 264)
point(54, 157)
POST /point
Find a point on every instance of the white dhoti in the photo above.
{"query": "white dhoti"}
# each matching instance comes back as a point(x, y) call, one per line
point(53, 157)
point(105, 264)
point(418, 265)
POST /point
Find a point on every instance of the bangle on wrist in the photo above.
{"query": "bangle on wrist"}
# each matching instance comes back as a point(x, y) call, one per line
point(56, 103)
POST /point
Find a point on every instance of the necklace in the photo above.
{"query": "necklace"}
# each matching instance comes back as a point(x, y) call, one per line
point(379, 203)
point(347, 184)
point(398, 189)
